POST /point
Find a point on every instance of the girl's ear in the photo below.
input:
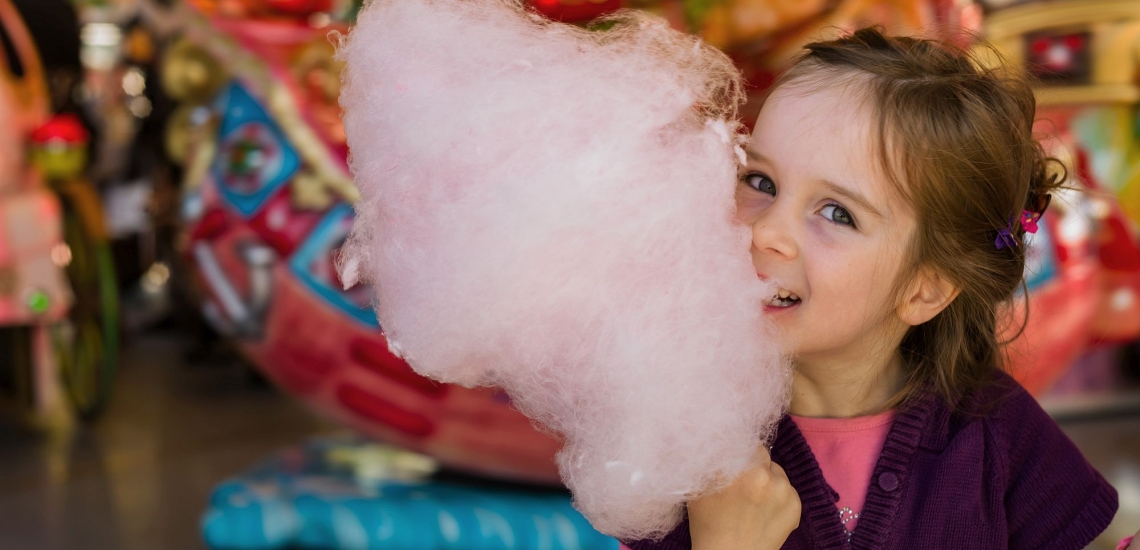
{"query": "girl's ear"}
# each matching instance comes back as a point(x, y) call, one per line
point(926, 297)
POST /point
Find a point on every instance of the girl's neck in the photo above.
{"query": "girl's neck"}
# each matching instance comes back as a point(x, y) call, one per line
point(839, 388)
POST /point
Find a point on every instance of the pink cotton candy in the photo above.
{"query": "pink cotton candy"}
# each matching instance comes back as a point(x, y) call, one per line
point(550, 210)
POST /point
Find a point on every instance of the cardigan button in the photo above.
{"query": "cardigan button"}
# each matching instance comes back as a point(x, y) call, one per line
point(888, 481)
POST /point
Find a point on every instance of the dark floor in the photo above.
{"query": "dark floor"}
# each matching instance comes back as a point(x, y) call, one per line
point(139, 477)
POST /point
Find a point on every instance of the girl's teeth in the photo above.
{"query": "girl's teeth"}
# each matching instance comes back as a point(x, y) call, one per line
point(783, 299)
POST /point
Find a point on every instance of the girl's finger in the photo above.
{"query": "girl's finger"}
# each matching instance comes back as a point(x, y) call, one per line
point(762, 458)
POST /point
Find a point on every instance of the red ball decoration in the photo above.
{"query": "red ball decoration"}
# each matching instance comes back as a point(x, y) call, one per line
point(575, 11)
point(64, 127)
point(299, 7)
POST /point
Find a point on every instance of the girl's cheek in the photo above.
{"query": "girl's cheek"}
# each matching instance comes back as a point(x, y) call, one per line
point(828, 236)
point(749, 206)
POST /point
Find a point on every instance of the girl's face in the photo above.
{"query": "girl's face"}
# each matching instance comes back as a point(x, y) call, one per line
point(826, 226)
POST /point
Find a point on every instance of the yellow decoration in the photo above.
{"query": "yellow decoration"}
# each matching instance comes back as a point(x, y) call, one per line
point(736, 21)
point(786, 25)
point(1107, 119)
point(200, 153)
point(1115, 51)
point(317, 73)
point(190, 73)
point(178, 133)
point(57, 160)
point(317, 68)
point(312, 192)
point(279, 101)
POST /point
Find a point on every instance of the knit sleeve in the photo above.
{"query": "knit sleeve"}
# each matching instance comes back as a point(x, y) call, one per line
point(1054, 498)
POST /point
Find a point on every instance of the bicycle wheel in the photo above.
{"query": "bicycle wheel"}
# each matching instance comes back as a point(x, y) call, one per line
point(87, 342)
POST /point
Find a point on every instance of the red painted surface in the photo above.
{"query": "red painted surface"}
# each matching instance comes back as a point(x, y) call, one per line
point(1061, 311)
point(374, 354)
point(376, 408)
point(212, 225)
point(282, 226)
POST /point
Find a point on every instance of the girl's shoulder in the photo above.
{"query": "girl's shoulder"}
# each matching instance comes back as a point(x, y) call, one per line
point(1011, 417)
point(1036, 465)
point(1004, 404)
point(1013, 425)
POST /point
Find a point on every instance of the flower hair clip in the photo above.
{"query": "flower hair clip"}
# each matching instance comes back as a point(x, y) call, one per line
point(1006, 236)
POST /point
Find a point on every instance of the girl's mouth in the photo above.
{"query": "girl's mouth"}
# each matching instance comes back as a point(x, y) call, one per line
point(783, 299)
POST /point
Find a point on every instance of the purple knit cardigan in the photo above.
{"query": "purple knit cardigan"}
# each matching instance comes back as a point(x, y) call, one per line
point(996, 472)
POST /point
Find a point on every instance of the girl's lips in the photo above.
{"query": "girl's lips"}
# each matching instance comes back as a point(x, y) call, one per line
point(775, 310)
point(767, 279)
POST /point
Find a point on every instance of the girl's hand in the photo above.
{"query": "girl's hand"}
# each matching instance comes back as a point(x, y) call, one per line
point(757, 512)
point(1130, 543)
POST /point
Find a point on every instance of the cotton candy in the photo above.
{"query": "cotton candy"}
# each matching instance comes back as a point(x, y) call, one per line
point(550, 210)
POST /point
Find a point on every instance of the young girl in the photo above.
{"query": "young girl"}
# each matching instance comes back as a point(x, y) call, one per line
point(889, 185)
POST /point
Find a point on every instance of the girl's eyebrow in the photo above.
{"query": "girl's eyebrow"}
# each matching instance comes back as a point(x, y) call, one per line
point(852, 196)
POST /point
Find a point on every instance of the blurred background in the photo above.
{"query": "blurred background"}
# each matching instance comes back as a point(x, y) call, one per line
point(180, 367)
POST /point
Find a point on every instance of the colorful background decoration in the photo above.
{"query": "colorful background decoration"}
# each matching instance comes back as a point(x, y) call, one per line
point(343, 492)
point(267, 205)
point(1083, 56)
point(58, 304)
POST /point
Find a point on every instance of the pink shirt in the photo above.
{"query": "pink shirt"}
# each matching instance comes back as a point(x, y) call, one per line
point(847, 450)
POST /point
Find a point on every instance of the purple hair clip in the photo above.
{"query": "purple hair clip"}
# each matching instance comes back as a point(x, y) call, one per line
point(1028, 220)
point(1005, 237)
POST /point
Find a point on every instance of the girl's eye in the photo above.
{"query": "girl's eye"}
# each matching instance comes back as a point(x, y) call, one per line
point(760, 183)
point(837, 214)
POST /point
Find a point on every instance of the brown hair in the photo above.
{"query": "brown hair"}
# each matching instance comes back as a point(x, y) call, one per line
point(955, 139)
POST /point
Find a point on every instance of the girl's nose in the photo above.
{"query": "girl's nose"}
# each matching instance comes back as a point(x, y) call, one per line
point(771, 236)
